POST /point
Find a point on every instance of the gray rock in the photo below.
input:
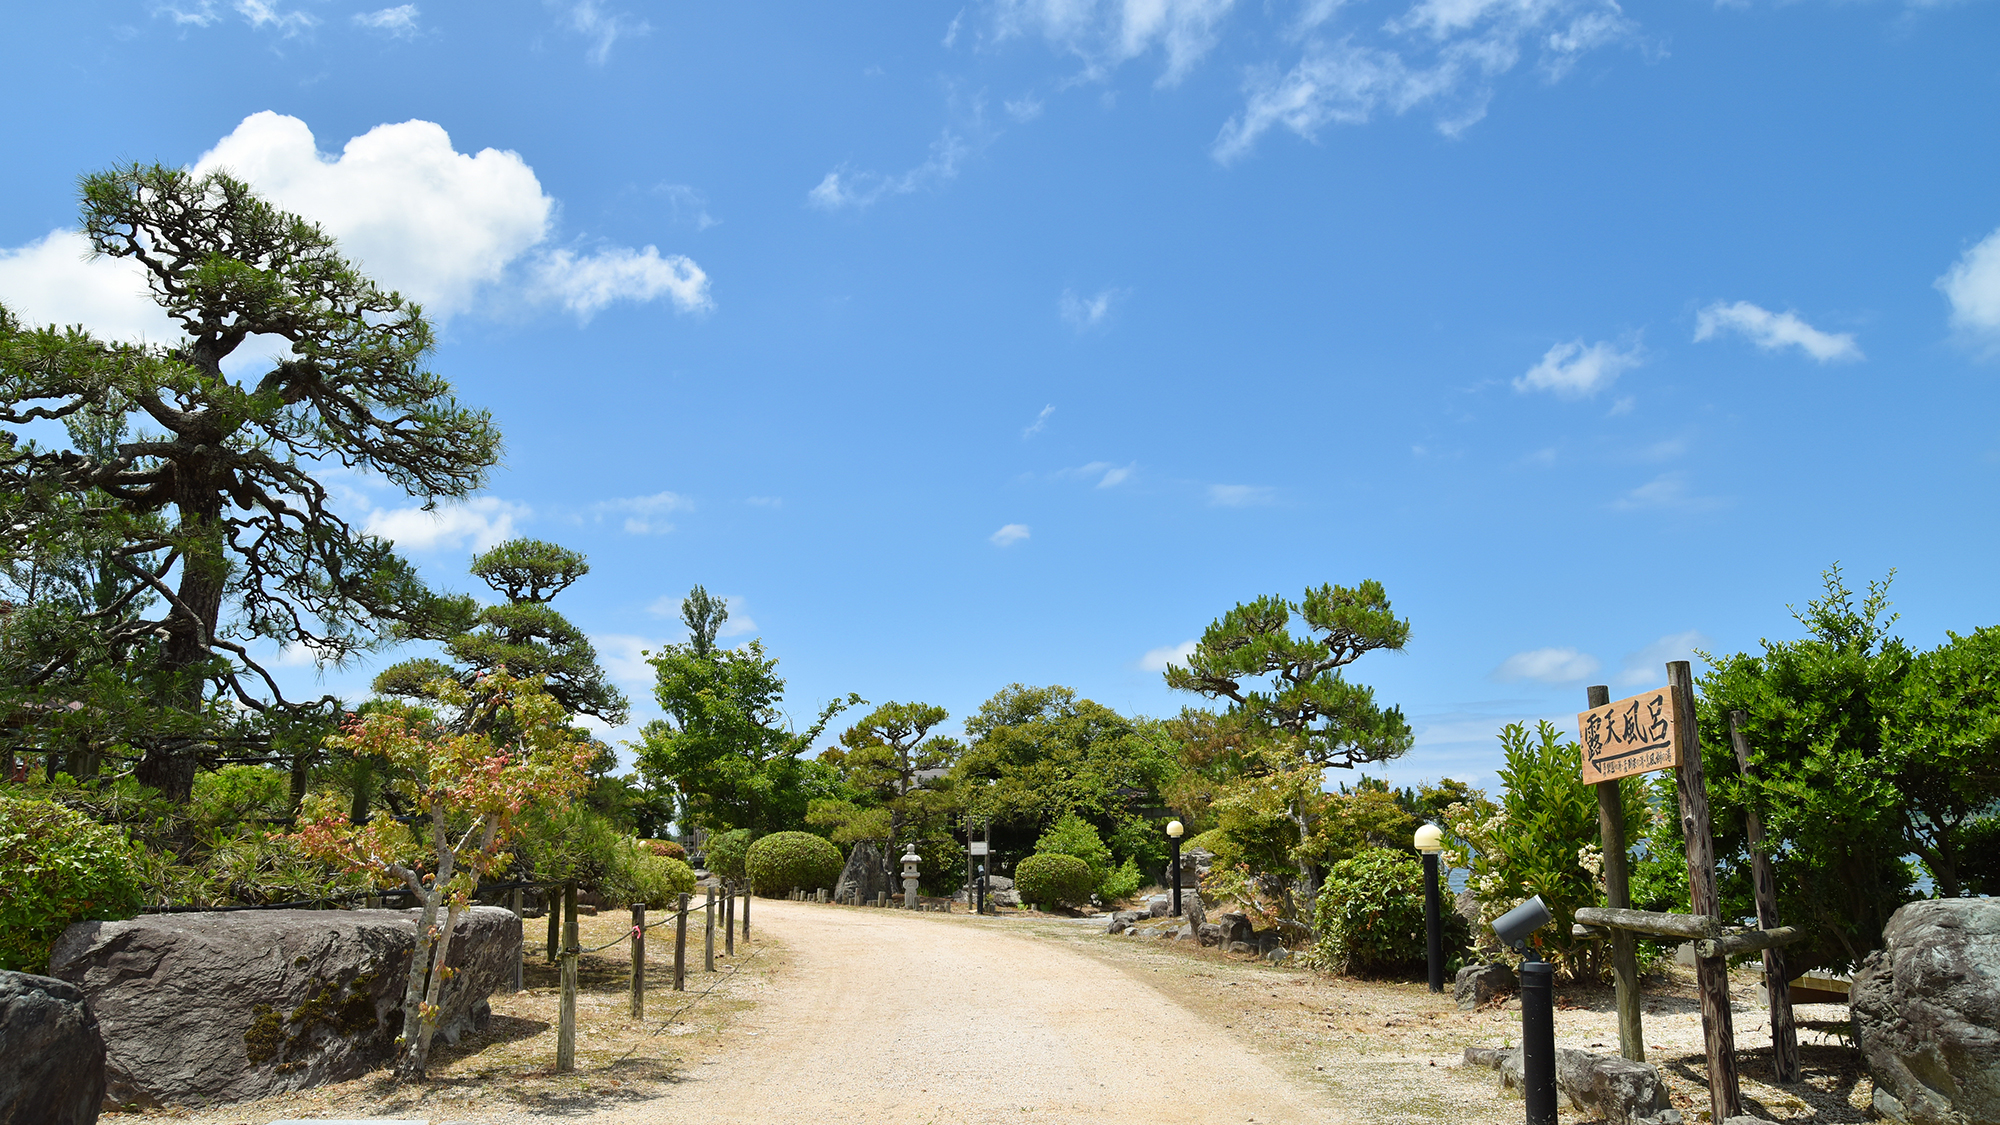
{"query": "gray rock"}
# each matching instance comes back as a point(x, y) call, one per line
point(998, 883)
point(1241, 947)
point(1278, 956)
point(267, 1001)
point(1476, 984)
point(1927, 1013)
point(1235, 927)
point(1619, 1090)
point(51, 1054)
point(1266, 940)
point(1210, 933)
point(1122, 921)
point(865, 875)
point(1191, 908)
point(1009, 897)
point(1159, 906)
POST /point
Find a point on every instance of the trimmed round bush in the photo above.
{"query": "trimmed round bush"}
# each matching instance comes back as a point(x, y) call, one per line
point(1051, 879)
point(667, 848)
point(1370, 918)
point(60, 867)
point(783, 860)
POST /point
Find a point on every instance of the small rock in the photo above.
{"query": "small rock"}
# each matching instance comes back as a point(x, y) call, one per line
point(51, 1054)
point(1241, 947)
point(1278, 956)
point(1477, 984)
point(1210, 933)
point(1159, 906)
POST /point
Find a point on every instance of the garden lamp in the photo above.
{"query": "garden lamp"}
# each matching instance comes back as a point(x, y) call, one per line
point(1430, 841)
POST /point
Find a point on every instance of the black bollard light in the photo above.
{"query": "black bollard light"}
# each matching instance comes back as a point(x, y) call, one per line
point(1538, 1010)
point(1174, 831)
point(1430, 841)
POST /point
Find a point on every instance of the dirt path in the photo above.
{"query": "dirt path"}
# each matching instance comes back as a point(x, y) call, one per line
point(893, 1017)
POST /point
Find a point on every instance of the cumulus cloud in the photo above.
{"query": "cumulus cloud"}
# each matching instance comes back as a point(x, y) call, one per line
point(586, 284)
point(1577, 370)
point(1444, 55)
point(1648, 665)
point(1104, 34)
point(399, 21)
point(1666, 491)
point(1086, 312)
point(1157, 659)
point(1771, 331)
point(844, 188)
point(480, 522)
point(1240, 495)
point(1041, 420)
point(601, 27)
point(1972, 285)
point(1547, 665)
point(644, 515)
point(623, 656)
point(440, 226)
point(1009, 535)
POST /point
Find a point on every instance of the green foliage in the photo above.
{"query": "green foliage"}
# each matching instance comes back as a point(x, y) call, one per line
point(727, 852)
point(1208, 841)
point(636, 875)
point(1543, 839)
point(233, 795)
point(846, 822)
point(1121, 882)
point(1073, 835)
point(1369, 919)
point(784, 860)
point(1049, 881)
point(668, 848)
point(60, 868)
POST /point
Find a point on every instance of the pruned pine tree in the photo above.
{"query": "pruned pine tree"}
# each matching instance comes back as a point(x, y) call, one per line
point(215, 507)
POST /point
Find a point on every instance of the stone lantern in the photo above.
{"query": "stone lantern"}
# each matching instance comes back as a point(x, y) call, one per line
point(910, 862)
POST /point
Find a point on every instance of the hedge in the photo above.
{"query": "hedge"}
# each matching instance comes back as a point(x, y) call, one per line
point(783, 860)
point(1050, 879)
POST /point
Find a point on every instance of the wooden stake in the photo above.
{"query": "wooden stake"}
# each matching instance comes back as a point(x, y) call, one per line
point(639, 961)
point(555, 920)
point(708, 926)
point(1777, 979)
point(566, 1018)
point(748, 894)
point(514, 903)
point(1618, 896)
point(1718, 1027)
point(729, 922)
point(681, 946)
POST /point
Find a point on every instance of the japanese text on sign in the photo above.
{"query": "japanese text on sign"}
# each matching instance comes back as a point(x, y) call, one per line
point(1630, 736)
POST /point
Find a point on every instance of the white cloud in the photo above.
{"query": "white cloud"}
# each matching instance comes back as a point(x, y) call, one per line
point(1041, 420)
point(1771, 331)
point(1576, 370)
point(1547, 665)
point(1009, 535)
point(1648, 665)
point(1441, 53)
point(1086, 312)
point(262, 14)
point(482, 522)
point(624, 658)
point(844, 188)
point(1107, 33)
point(1156, 660)
point(739, 622)
point(1972, 285)
point(602, 28)
point(1108, 475)
point(644, 515)
point(55, 281)
point(399, 21)
point(585, 285)
point(1666, 491)
point(688, 205)
point(1023, 109)
point(1240, 495)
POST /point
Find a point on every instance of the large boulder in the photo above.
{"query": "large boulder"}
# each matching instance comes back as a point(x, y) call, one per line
point(1476, 984)
point(865, 876)
point(228, 1006)
point(51, 1055)
point(1927, 1013)
point(1620, 1091)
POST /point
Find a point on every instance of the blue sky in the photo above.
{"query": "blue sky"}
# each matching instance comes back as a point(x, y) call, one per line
point(967, 345)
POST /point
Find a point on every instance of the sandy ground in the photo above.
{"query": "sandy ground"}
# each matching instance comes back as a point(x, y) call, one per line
point(838, 1014)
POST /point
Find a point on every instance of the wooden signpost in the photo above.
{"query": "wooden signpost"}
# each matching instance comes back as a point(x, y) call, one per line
point(1651, 731)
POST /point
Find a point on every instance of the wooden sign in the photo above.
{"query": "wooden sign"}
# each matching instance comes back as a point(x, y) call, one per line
point(978, 847)
point(1630, 736)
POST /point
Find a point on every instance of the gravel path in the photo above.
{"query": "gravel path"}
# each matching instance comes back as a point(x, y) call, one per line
point(892, 1017)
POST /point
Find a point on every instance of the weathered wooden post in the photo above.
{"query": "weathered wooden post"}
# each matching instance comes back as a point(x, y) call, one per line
point(1777, 979)
point(748, 894)
point(708, 928)
point(1618, 896)
point(555, 921)
point(681, 946)
point(638, 960)
point(566, 1017)
point(1725, 1097)
point(729, 922)
point(514, 904)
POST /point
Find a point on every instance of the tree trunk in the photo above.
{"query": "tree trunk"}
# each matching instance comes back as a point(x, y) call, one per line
point(190, 625)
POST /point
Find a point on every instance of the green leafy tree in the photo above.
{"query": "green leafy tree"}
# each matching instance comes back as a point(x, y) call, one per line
point(218, 512)
point(725, 745)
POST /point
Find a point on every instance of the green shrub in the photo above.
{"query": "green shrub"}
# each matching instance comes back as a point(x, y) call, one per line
point(1073, 835)
point(58, 867)
point(783, 860)
point(234, 794)
point(1121, 882)
point(726, 852)
point(668, 848)
point(1051, 879)
point(1370, 918)
point(636, 875)
point(1209, 841)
